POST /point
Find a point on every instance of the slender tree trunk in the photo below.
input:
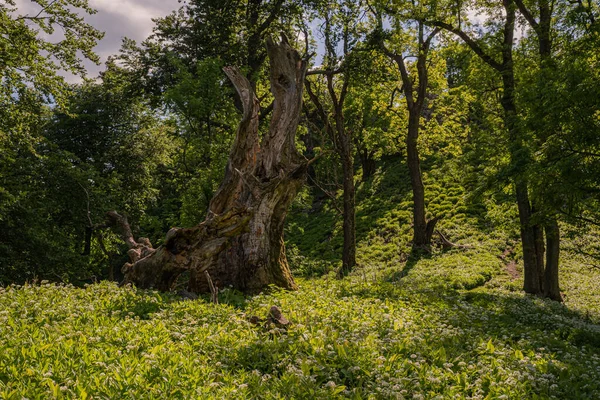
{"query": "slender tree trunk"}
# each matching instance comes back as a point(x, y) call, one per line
point(551, 287)
point(538, 234)
point(551, 281)
point(415, 102)
point(343, 144)
point(241, 243)
point(349, 251)
point(420, 238)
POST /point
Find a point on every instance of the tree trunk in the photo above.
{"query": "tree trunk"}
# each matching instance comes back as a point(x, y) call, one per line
point(415, 105)
point(343, 144)
point(241, 243)
point(551, 287)
point(517, 153)
point(531, 282)
point(538, 234)
point(367, 161)
point(420, 238)
point(349, 253)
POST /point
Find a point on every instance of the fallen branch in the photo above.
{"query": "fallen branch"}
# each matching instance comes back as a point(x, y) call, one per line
point(446, 244)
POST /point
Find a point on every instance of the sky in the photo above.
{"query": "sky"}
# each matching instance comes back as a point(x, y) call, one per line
point(124, 18)
point(118, 19)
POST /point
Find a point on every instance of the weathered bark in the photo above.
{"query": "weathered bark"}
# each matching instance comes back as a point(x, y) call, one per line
point(241, 243)
point(551, 287)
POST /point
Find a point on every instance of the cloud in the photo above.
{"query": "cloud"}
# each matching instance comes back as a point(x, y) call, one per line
point(117, 19)
point(124, 18)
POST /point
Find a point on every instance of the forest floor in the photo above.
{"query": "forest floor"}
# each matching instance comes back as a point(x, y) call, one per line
point(378, 334)
point(450, 324)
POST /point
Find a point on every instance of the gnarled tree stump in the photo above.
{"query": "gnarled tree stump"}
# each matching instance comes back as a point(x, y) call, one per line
point(241, 241)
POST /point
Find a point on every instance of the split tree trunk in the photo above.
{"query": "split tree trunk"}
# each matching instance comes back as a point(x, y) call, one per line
point(241, 243)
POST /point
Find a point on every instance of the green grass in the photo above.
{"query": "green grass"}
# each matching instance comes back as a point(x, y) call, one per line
point(384, 218)
point(374, 335)
point(446, 325)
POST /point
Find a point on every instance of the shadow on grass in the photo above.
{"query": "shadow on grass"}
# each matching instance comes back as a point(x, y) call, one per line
point(317, 233)
point(528, 335)
point(412, 261)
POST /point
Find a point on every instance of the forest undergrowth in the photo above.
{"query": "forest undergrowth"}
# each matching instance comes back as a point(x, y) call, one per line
point(446, 324)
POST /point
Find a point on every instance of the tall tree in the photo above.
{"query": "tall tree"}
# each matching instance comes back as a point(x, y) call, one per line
point(340, 35)
point(415, 90)
point(548, 273)
point(548, 82)
point(31, 179)
point(501, 59)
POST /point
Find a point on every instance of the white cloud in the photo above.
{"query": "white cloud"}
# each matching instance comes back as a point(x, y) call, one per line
point(124, 18)
point(118, 19)
point(136, 12)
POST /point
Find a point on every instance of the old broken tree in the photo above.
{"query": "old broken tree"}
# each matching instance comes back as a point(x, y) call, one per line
point(241, 241)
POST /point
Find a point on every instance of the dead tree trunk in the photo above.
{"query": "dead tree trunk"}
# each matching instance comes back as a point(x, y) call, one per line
point(241, 243)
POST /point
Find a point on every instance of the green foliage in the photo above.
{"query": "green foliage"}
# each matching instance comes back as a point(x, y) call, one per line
point(373, 335)
point(30, 60)
point(33, 201)
point(101, 151)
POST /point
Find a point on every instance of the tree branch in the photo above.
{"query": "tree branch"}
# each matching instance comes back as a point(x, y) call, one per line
point(272, 16)
point(528, 15)
point(477, 49)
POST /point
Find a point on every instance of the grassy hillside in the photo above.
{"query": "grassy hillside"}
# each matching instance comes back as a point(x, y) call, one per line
point(451, 324)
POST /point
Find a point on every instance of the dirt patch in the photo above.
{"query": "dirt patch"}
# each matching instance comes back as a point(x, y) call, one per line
point(511, 269)
point(510, 266)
